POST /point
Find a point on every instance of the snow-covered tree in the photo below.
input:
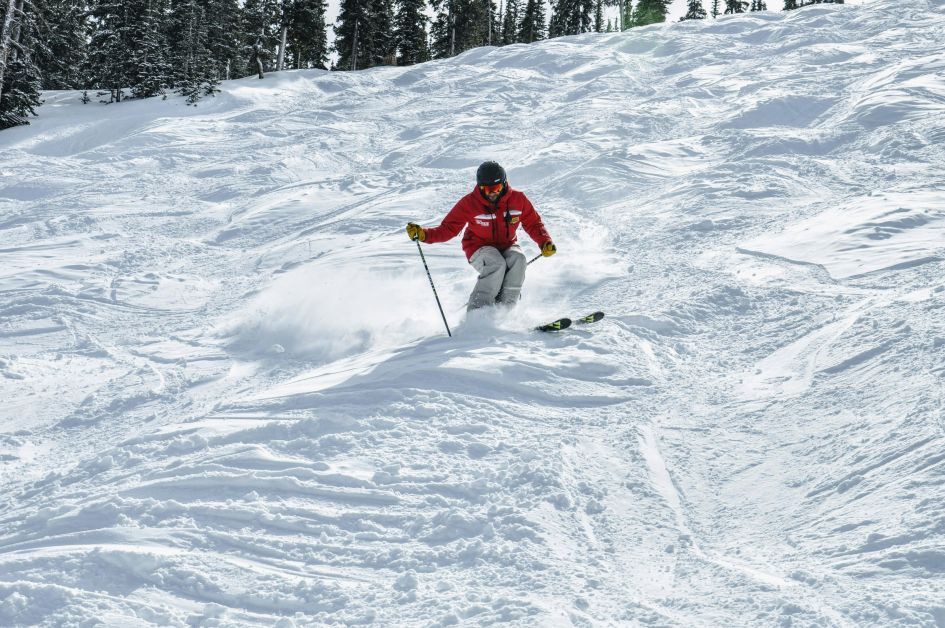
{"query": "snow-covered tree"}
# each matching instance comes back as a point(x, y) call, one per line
point(224, 38)
point(261, 21)
point(62, 30)
point(19, 77)
point(194, 75)
point(150, 71)
point(109, 62)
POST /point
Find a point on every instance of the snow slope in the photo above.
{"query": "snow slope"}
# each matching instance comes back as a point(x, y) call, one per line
point(228, 398)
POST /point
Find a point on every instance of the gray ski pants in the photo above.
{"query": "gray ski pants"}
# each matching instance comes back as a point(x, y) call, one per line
point(501, 275)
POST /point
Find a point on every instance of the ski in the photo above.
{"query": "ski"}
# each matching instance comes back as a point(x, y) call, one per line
point(564, 323)
point(558, 325)
point(590, 318)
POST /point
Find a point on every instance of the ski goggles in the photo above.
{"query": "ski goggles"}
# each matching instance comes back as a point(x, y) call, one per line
point(491, 189)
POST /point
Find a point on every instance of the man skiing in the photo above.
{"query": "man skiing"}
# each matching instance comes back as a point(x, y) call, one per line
point(491, 214)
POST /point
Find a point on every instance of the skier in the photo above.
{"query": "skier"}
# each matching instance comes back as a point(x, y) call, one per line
point(491, 213)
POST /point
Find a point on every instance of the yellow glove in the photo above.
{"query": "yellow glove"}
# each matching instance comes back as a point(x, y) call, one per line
point(416, 232)
point(548, 249)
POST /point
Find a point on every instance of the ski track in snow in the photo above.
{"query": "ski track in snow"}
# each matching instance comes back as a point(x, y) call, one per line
point(228, 399)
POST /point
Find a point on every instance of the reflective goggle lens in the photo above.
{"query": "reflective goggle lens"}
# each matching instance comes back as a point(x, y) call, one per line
point(491, 189)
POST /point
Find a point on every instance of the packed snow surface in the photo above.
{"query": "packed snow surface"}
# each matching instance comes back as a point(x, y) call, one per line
point(228, 398)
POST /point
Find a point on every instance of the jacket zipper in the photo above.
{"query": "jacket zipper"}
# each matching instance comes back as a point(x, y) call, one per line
point(495, 219)
point(494, 208)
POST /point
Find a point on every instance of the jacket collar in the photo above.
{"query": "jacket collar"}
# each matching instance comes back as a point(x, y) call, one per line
point(501, 202)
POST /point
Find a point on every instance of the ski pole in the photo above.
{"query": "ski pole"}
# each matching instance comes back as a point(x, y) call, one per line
point(435, 295)
point(533, 259)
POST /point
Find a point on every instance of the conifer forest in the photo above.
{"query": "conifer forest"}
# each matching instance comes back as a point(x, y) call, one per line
point(118, 49)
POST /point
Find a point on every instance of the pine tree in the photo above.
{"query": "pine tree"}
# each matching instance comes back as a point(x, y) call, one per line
point(585, 16)
point(308, 42)
point(571, 17)
point(379, 40)
point(694, 11)
point(649, 12)
point(626, 18)
point(193, 73)
point(410, 32)
point(442, 40)
point(260, 32)
point(599, 17)
point(460, 25)
point(715, 9)
point(127, 48)
point(150, 71)
point(352, 26)
point(63, 28)
point(109, 64)
point(224, 45)
point(735, 6)
point(510, 23)
point(20, 94)
point(9, 11)
point(758, 5)
point(19, 77)
point(790, 5)
point(532, 25)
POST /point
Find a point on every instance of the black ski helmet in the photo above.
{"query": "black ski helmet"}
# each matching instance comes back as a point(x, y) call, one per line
point(490, 173)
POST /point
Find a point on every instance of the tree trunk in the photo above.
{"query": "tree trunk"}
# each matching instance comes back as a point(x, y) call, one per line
point(452, 32)
point(6, 40)
point(10, 37)
point(257, 58)
point(354, 48)
point(281, 62)
point(489, 2)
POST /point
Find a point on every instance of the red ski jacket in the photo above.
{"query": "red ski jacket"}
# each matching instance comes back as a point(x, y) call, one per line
point(489, 224)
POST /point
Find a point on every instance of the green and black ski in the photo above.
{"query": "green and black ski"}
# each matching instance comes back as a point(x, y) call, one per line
point(564, 323)
point(558, 325)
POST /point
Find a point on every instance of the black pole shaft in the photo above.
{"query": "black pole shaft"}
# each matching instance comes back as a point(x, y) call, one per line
point(533, 259)
point(435, 295)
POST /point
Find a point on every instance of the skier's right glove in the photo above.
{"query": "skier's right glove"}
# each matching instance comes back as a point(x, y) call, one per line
point(548, 249)
point(416, 232)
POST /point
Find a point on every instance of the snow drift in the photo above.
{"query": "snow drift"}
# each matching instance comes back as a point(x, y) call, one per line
point(228, 398)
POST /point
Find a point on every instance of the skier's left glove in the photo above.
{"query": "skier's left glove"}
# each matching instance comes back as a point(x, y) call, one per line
point(548, 249)
point(416, 232)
